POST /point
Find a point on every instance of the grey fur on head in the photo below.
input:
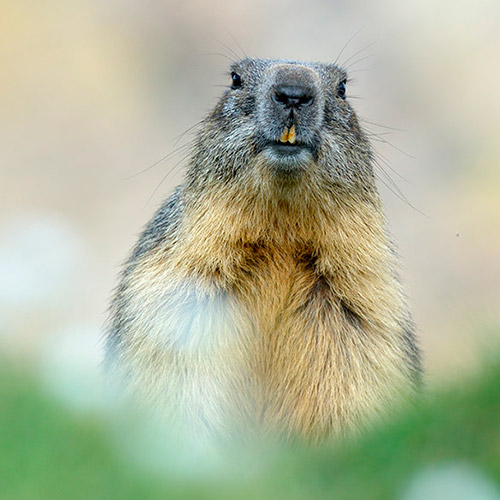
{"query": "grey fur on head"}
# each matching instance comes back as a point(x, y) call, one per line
point(247, 119)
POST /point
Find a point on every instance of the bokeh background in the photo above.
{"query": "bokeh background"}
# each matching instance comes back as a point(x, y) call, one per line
point(94, 93)
point(97, 101)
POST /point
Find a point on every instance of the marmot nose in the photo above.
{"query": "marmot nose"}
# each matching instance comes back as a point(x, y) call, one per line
point(293, 96)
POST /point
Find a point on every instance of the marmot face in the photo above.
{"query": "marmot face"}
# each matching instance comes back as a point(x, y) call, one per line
point(284, 119)
point(289, 114)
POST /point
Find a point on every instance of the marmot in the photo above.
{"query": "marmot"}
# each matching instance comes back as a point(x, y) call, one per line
point(264, 291)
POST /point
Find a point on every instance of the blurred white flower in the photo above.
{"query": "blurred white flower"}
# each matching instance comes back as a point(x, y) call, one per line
point(70, 368)
point(451, 481)
point(40, 258)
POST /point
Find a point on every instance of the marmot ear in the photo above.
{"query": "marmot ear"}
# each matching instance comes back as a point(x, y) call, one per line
point(236, 80)
point(341, 89)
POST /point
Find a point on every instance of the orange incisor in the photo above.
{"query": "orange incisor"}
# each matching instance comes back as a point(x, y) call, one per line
point(289, 135)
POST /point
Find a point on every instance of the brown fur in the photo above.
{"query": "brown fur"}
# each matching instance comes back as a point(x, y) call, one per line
point(295, 320)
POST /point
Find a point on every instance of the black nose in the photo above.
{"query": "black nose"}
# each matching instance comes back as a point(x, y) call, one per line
point(293, 96)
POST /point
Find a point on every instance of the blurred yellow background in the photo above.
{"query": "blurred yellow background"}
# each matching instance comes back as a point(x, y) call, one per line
point(93, 93)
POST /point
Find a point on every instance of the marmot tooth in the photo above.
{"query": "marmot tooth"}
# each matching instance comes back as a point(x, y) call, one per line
point(291, 135)
point(284, 135)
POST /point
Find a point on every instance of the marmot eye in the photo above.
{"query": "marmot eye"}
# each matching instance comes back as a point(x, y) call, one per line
point(236, 80)
point(341, 88)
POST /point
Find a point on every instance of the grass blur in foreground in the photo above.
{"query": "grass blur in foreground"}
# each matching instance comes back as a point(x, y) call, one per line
point(47, 452)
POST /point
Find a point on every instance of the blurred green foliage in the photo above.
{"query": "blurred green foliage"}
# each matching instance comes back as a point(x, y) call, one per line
point(47, 452)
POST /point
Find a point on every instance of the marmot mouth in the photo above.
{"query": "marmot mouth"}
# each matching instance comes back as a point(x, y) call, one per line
point(287, 144)
point(287, 148)
point(285, 152)
point(287, 157)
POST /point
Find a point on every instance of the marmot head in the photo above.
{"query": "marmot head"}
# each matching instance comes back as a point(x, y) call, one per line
point(286, 121)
